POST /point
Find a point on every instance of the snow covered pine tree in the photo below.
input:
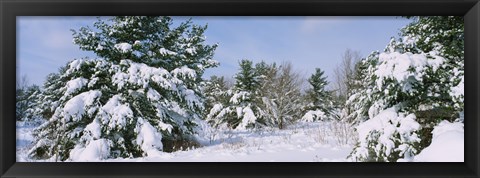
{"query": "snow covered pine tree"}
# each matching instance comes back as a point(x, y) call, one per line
point(216, 92)
point(320, 106)
point(242, 110)
point(137, 100)
point(26, 98)
point(47, 99)
point(414, 79)
point(360, 96)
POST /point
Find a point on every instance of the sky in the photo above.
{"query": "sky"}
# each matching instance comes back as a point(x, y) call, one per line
point(45, 43)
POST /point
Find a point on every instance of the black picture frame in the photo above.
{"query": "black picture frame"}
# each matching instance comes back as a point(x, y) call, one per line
point(10, 9)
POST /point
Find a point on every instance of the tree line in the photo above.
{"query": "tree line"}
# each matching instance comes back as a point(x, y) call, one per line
point(267, 95)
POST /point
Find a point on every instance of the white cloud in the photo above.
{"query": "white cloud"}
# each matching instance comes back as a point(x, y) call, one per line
point(58, 39)
point(315, 24)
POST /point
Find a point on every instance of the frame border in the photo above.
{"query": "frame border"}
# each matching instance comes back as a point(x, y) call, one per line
point(10, 9)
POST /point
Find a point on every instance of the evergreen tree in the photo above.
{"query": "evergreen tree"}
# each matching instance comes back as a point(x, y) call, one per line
point(140, 97)
point(20, 105)
point(247, 78)
point(242, 110)
point(264, 95)
point(48, 98)
point(320, 105)
point(442, 39)
point(216, 93)
point(440, 95)
point(420, 79)
point(26, 97)
point(360, 94)
point(265, 74)
point(20, 95)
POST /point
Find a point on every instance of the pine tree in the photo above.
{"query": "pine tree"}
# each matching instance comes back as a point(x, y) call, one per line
point(442, 38)
point(20, 95)
point(26, 97)
point(49, 97)
point(440, 95)
point(217, 93)
point(242, 110)
point(264, 95)
point(20, 105)
point(360, 94)
point(247, 78)
point(413, 79)
point(321, 102)
point(142, 96)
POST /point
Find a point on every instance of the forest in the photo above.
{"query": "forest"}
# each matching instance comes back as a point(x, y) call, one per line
point(145, 98)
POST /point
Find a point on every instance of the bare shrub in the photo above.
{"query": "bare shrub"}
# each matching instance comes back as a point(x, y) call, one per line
point(343, 132)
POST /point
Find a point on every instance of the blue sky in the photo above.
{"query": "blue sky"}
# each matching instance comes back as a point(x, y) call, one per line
point(45, 43)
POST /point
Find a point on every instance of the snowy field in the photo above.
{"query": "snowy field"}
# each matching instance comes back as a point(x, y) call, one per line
point(24, 139)
point(148, 83)
point(303, 142)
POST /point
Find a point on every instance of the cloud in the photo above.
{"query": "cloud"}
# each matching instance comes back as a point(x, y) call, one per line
point(319, 23)
point(58, 39)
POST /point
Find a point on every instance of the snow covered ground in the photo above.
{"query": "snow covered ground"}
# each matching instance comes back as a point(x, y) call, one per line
point(447, 144)
point(302, 142)
point(24, 139)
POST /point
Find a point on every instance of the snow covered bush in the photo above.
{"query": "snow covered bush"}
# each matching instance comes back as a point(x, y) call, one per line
point(144, 91)
point(420, 74)
point(316, 115)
